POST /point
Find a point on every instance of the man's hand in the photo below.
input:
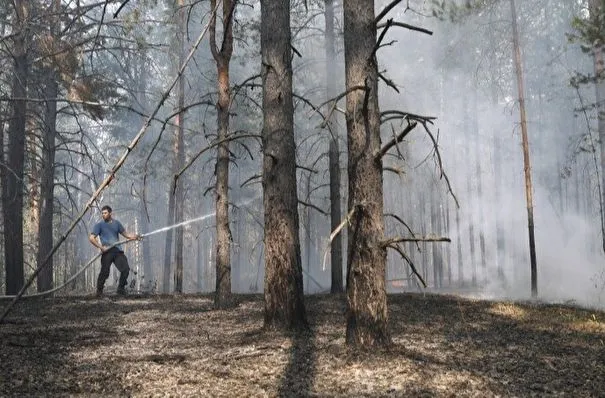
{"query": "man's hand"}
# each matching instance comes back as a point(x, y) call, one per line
point(104, 249)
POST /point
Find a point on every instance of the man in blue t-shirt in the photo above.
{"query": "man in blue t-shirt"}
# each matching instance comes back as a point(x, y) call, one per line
point(108, 231)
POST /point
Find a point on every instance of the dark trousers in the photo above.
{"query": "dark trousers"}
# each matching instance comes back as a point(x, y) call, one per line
point(121, 262)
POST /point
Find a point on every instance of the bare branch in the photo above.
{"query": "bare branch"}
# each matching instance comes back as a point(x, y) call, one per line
point(250, 180)
point(427, 238)
point(311, 205)
point(388, 81)
point(407, 26)
point(393, 170)
point(212, 145)
point(395, 140)
point(440, 163)
point(409, 261)
point(115, 14)
point(396, 217)
point(386, 10)
point(381, 37)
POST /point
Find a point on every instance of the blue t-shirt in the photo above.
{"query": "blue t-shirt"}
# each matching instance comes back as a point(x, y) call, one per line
point(109, 232)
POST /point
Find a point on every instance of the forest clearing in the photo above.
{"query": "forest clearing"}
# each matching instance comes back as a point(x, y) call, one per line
point(180, 346)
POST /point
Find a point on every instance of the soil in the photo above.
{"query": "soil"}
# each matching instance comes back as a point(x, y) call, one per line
point(443, 346)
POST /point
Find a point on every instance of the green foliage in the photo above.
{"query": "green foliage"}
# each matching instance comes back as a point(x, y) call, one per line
point(588, 32)
point(458, 11)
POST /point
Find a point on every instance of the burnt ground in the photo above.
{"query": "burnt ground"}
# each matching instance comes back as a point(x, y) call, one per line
point(180, 346)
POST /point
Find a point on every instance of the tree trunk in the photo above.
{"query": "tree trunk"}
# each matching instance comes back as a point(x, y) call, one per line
point(284, 300)
point(333, 155)
point(599, 71)
point(468, 136)
point(168, 244)
point(526, 160)
point(179, 149)
point(479, 178)
point(47, 184)
point(222, 57)
point(12, 175)
point(367, 319)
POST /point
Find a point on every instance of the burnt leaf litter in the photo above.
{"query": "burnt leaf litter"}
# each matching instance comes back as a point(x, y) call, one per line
point(180, 346)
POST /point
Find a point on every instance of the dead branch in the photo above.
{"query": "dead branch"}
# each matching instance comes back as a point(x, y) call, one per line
point(335, 100)
point(250, 180)
point(407, 26)
point(427, 238)
point(399, 154)
point(440, 164)
point(393, 114)
point(381, 37)
point(388, 81)
point(395, 140)
point(212, 145)
point(335, 232)
point(311, 205)
point(115, 14)
point(396, 217)
point(386, 10)
point(409, 261)
point(395, 170)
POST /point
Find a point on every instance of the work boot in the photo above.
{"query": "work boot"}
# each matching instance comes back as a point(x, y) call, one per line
point(121, 291)
point(99, 293)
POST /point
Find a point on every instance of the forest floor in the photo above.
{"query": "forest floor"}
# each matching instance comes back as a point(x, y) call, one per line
point(180, 346)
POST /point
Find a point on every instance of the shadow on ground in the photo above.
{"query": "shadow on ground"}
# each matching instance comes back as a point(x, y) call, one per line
point(180, 345)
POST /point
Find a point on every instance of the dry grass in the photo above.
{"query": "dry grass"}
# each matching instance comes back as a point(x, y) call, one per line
point(179, 346)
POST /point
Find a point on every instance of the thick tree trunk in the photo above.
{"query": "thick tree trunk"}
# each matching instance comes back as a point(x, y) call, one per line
point(367, 319)
point(222, 57)
point(12, 175)
point(526, 158)
point(47, 184)
point(284, 300)
point(333, 155)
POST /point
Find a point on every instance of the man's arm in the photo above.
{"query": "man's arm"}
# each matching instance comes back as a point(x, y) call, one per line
point(130, 236)
point(92, 238)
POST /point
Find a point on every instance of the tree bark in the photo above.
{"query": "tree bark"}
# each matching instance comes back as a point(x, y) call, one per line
point(12, 175)
point(526, 157)
point(367, 318)
point(222, 57)
point(333, 155)
point(284, 300)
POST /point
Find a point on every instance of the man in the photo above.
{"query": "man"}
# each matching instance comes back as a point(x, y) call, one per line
point(108, 230)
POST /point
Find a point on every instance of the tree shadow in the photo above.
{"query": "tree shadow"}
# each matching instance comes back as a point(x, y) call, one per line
point(299, 375)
